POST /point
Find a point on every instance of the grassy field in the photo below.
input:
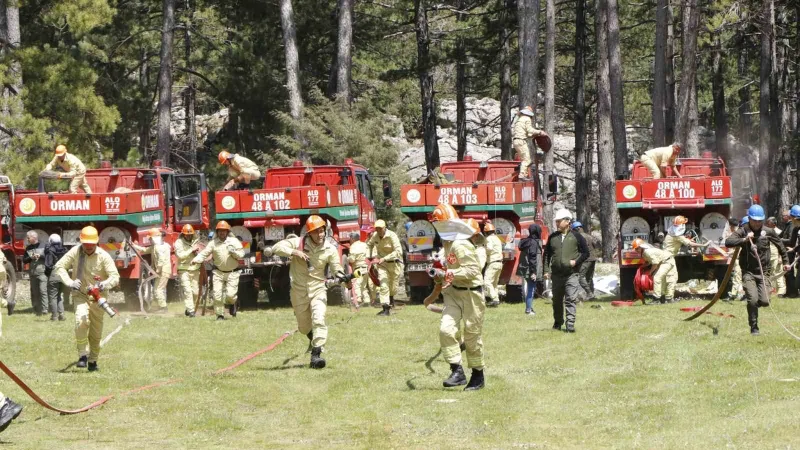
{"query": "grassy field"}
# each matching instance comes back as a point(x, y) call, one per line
point(635, 377)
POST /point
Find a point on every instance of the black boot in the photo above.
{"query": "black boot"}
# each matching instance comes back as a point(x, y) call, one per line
point(570, 328)
point(457, 377)
point(82, 362)
point(752, 319)
point(10, 308)
point(8, 413)
point(462, 346)
point(93, 366)
point(391, 302)
point(385, 311)
point(220, 317)
point(316, 360)
point(232, 310)
point(475, 381)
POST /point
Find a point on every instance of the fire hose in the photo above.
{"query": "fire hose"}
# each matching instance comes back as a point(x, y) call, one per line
point(761, 270)
point(720, 288)
point(151, 275)
point(642, 282)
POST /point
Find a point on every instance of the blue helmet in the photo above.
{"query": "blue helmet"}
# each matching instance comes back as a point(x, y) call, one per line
point(407, 225)
point(745, 220)
point(756, 212)
point(795, 211)
point(576, 224)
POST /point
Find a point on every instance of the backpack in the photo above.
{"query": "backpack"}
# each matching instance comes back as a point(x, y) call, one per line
point(53, 253)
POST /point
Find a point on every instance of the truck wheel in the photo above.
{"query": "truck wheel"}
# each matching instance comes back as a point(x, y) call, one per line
point(247, 294)
point(626, 276)
point(514, 293)
point(9, 287)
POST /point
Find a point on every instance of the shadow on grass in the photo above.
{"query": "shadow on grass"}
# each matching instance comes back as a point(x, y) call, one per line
point(284, 367)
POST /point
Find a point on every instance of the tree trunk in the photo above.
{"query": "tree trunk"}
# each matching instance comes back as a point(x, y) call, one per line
point(528, 18)
point(190, 93)
point(691, 16)
point(292, 60)
point(744, 91)
point(506, 151)
point(426, 86)
point(669, 98)
point(145, 113)
point(344, 44)
point(550, 90)
point(609, 220)
point(583, 167)
point(718, 94)
point(660, 75)
point(165, 83)
point(461, 87)
point(11, 33)
point(692, 142)
point(617, 96)
point(763, 102)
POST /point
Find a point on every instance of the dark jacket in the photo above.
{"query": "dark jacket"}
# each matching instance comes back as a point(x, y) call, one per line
point(763, 238)
point(29, 250)
point(530, 253)
point(558, 253)
point(595, 250)
point(52, 253)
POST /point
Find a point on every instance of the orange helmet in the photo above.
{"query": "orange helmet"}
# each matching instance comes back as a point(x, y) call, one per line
point(89, 235)
point(188, 229)
point(61, 150)
point(224, 156)
point(488, 226)
point(222, 225)
point(680, 220)
point(637, 243)
point(155, 232)
point(443, 212)
point(313, 223)
point(473, 224)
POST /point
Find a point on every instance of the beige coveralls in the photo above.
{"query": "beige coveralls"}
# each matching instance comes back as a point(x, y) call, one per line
point(88, 315)
point(188, 272)
point(358, 260)
point(666, 276)
point(308, 294)
point(162, 264)
point(391, 270)
point(494, 258)
point(463, 301)
point(524, 130)
point(226, 255)
point(239, 165)
point(655, 158)
point(3, 301)
point(73, 168)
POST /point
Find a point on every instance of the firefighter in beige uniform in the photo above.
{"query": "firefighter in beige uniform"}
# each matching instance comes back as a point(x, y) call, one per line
point(390, 263)
point(658, 158)
point(494, 264)
point(776, 264)
point(186, 248)
point(226, 251)
point(87, 262)
point(312, 259)
point(662, 268)
point(9, 410)
point(241, 170)
point(462, 287)
point(359, 252)
point(72, 167)
point(162, 264)
point(3, 301)
point(523, 130)
point(675, 238)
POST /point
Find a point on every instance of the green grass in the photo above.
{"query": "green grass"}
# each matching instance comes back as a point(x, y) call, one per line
point(635, 377)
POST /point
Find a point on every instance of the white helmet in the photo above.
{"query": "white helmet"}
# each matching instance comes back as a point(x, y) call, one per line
point(562, 213)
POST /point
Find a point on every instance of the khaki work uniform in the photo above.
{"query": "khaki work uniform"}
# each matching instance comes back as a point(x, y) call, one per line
point(3, 301)
point(463, 301)
point(673, 244)
point(524, 130)
point(188, 272)
point(73, 168)
point(390, 271)
point(656, 158)
point(776, 270)
point(736, 275)
point(358, 261)
point(666, 276)
point(226, 255)
point(241, 166)
point(308, 294)
point(494, 265)
point(162, 265)
point(88, 315)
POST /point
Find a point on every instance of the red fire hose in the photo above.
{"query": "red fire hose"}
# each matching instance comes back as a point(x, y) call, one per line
point(642, 282)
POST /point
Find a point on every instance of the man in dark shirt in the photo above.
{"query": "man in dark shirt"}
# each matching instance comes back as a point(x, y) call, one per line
point(34, 257)
point(790, 228)
point(563, 255)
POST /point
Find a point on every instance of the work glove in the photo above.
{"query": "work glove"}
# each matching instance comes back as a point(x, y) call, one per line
point(102, 285)
point(75, 285)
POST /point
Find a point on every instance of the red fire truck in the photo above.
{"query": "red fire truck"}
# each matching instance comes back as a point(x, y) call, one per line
point(125, 203)
point(340, 194)
point(647, 207)
point(488, 190)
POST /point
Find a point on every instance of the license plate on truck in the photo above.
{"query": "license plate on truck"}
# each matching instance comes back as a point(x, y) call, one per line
point(419, 267)
point(247, 271)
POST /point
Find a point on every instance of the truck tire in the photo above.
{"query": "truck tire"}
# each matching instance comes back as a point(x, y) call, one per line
point(247, 293)
point(626, 276)
point(9, 287)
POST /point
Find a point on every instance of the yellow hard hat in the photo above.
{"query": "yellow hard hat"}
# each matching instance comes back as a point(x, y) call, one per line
point(61, 150)
point(380, 223)
point(89, 235)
